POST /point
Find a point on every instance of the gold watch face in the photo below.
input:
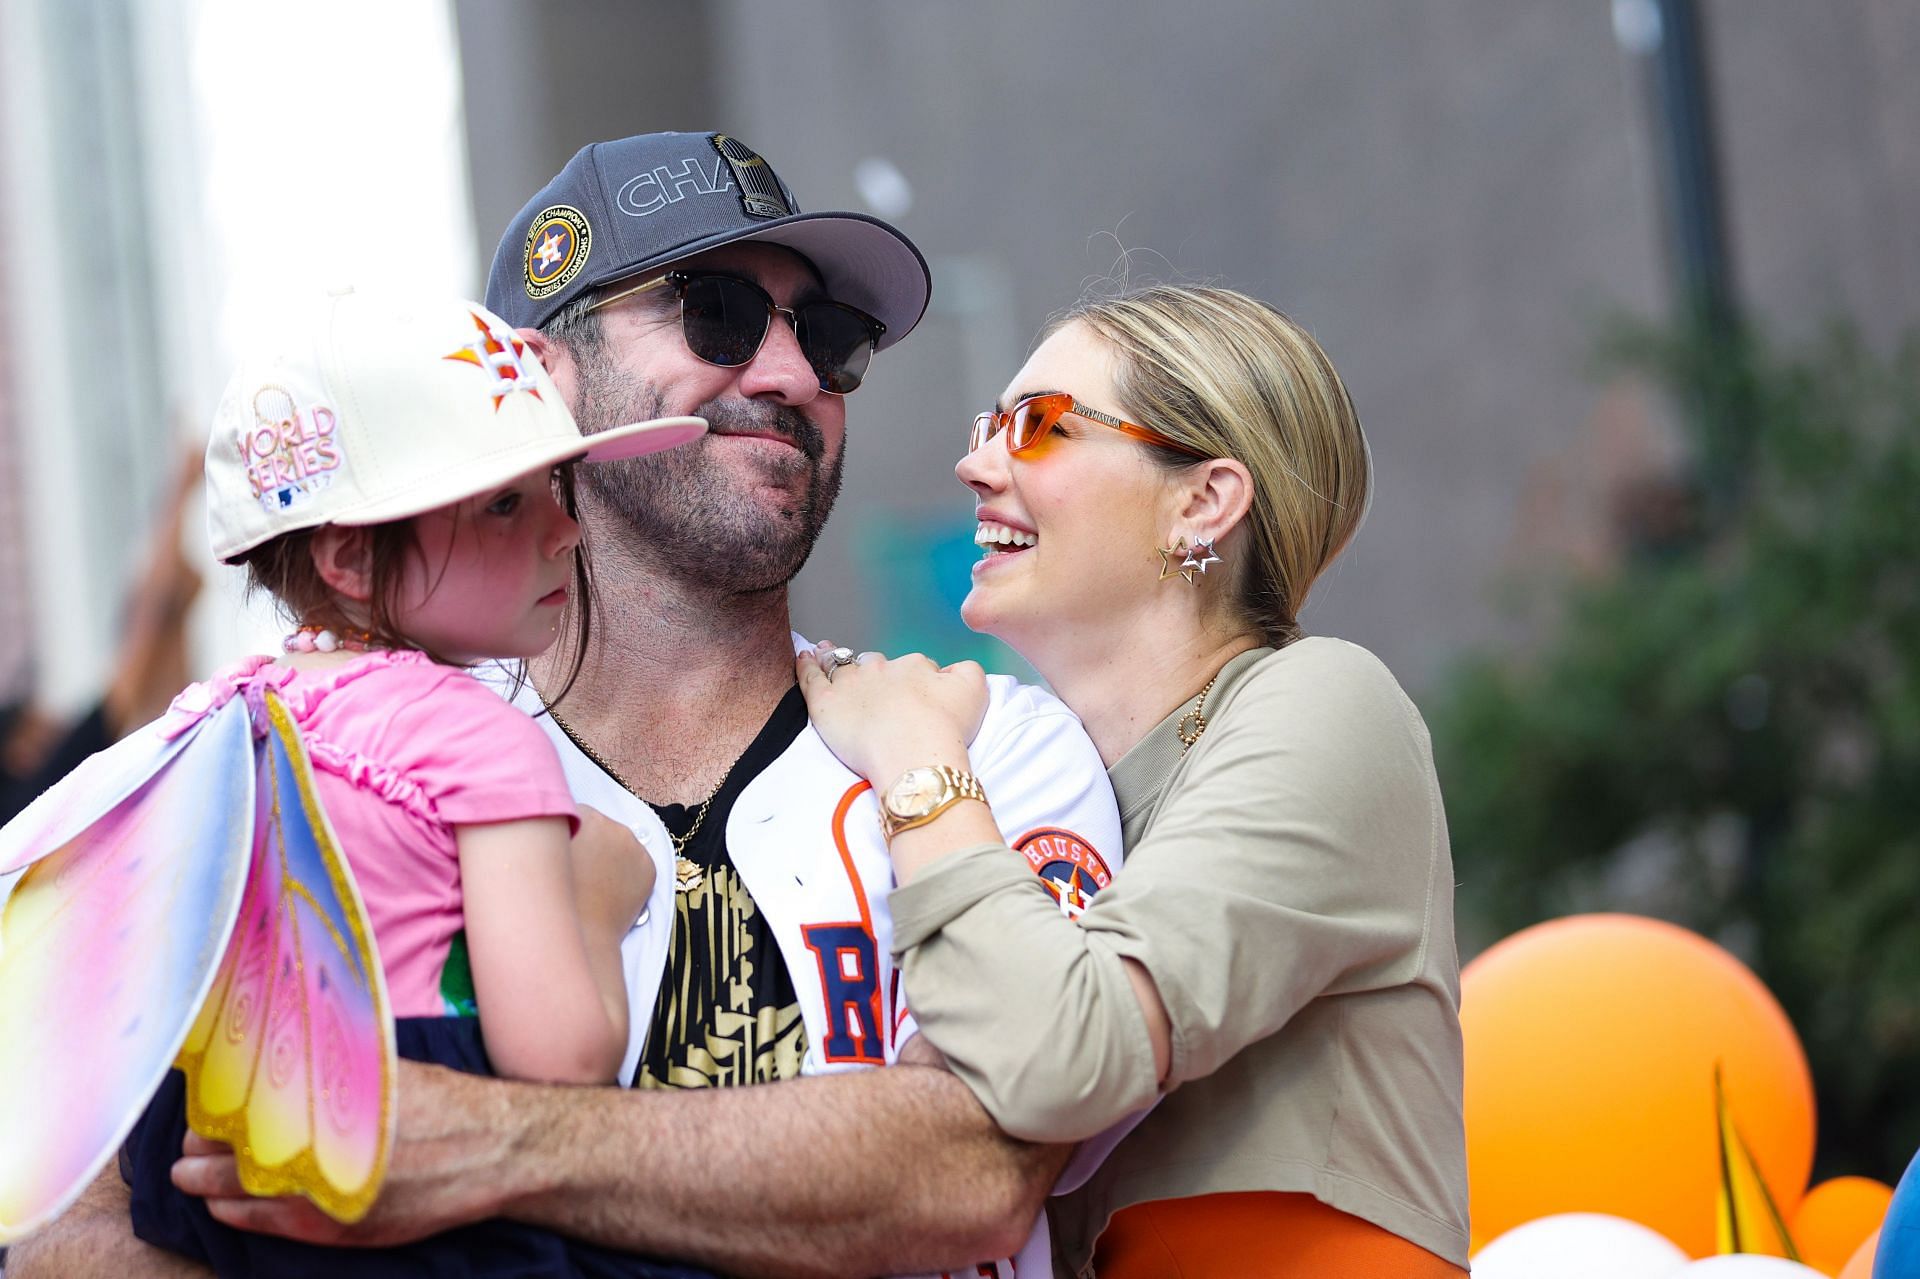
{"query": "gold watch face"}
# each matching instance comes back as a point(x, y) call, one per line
point(915, 794)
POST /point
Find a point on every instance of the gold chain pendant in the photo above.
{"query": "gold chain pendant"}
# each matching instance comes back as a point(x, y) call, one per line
point(1194, 722)
point(687, 874)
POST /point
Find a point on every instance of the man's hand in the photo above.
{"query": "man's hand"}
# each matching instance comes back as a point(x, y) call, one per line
point(448, 1126)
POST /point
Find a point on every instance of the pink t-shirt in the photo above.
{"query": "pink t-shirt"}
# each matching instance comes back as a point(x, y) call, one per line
point(403, 751)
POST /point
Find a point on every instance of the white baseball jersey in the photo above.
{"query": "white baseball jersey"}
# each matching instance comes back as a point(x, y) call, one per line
point(805, 838)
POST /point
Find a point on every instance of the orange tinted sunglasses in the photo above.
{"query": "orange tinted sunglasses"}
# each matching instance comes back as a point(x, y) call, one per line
point(1029, 421)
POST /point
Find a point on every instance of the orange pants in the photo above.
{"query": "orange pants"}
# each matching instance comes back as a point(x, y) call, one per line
point(1256, 1235)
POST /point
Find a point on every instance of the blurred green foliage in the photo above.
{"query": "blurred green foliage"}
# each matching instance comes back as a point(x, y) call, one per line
point(1725, 730)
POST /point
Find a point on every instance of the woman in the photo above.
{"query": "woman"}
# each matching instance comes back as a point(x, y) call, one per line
point(1275, 963)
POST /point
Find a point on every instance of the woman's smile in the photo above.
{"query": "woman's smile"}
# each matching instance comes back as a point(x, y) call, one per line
point(1000, 543)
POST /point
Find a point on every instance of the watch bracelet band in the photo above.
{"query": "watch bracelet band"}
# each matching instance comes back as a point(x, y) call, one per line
point(960, 785)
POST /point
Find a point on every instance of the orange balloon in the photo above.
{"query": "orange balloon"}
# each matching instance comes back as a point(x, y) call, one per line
point(1835, 1216)
point(1860, 1265)
point(1591, 1043)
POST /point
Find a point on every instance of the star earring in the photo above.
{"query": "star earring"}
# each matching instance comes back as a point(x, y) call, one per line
point(1193, 559)
point(1167, 566)
point(1199, 557)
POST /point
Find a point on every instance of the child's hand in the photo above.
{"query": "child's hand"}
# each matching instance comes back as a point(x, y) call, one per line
point(612, 873)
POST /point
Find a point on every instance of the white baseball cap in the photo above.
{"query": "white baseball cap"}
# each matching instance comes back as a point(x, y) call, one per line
point(376, 407)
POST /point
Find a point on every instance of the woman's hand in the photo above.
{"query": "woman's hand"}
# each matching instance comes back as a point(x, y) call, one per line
point(883, 716)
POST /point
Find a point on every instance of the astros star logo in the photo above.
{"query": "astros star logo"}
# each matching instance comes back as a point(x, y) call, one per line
point(499, 351)
point(1067, 865)
point(557, 244)
point(1073, 895)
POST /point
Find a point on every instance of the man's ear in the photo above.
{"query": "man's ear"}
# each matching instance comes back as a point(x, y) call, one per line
point(556, 360)
point(1219, 492)
point(344, 559)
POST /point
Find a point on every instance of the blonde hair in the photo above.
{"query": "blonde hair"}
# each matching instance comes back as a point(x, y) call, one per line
point(1231, 376)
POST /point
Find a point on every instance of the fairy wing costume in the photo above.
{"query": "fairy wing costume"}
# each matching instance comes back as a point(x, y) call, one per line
point(185, 902)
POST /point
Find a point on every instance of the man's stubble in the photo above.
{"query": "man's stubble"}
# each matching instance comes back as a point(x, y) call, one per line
point(687, 516)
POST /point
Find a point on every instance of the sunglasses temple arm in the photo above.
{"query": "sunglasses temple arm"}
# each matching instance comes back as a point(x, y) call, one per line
point(623, 294)
point(1154, 437)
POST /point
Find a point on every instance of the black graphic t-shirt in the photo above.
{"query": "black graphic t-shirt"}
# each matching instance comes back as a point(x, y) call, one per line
point(727, 1012)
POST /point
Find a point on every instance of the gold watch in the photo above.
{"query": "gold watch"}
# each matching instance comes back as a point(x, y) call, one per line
point(922, 794)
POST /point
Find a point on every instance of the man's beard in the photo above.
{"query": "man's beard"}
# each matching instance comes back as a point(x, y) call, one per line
point(683, 512)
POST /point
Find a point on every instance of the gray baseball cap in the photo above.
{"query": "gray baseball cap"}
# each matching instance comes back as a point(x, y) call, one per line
point(620, 209)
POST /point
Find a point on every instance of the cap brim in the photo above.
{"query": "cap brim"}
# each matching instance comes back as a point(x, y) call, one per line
point(861, 260)
point(457, 484)
point(641, 438)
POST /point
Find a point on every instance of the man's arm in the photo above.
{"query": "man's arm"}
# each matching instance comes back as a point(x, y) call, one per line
point(94, 1240)
point(874, 1172)
point(871, 1172)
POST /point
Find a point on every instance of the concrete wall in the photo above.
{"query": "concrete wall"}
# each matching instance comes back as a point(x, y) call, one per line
point(15, 641)
point(1819, 106)
point(88, 336)
point(1451, 195)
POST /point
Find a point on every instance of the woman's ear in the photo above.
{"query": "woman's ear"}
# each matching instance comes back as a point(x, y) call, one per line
point(344, 559)
point(1218, 494)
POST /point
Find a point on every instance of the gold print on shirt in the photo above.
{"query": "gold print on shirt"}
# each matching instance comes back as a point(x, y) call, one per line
point(714, 1025)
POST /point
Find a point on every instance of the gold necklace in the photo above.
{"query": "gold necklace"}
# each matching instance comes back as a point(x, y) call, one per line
point(687, 873)
point(1198, 716)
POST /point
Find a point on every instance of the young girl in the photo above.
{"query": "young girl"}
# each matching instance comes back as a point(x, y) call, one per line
point(396, 476)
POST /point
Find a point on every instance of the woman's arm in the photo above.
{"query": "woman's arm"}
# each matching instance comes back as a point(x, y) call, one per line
point(1300, 855)
point(966, 825)
point(551, 995)
point(890, 715)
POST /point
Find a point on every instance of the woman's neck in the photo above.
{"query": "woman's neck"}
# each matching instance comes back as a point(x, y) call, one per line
point(1136, 681)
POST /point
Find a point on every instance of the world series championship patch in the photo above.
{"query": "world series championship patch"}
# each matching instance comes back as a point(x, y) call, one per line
point(1067, 864)
point(557, 246)
point(290, 450)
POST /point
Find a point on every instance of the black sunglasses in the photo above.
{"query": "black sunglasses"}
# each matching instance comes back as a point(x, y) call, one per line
point(724, 319)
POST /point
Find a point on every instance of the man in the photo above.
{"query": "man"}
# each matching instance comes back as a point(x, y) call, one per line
point(663, 274)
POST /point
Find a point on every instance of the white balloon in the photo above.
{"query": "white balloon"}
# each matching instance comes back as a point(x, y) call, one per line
point(1747, 1266)
point(1579, 1245)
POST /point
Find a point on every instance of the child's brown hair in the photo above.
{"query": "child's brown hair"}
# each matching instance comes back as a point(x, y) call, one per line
point(283, 567)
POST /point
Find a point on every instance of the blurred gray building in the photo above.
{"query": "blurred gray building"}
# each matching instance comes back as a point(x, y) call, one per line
point(1452, 194)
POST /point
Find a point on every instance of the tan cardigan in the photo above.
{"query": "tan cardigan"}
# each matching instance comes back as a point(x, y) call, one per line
point(1288, 885)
